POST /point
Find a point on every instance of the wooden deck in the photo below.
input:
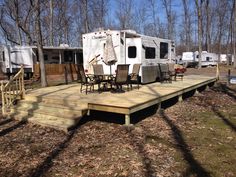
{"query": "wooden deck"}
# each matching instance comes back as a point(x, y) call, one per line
point(123, 103)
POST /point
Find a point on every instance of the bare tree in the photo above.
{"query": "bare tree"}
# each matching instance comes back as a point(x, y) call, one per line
point(187, 24)
point(16, 13)
point(37, 9)
point(234, 33)
point(199, 15)
point(171, 17)
point(208, 29)
point(99, 12)
point(125, 14)
point(51, 23)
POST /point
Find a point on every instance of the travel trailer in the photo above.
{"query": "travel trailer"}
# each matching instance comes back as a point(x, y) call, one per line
point(129, 48)
point(208, 59)
point(190, 59)
point(11, 58)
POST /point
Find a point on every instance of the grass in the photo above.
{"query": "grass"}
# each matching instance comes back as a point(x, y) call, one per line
point(212, 142)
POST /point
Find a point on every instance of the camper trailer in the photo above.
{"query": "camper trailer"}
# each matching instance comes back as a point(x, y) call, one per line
point(190, 59)
point(208, 59)
point(61, 54)
point(129, 48)
point(11, 58)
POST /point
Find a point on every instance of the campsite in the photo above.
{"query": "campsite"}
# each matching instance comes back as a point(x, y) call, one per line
point(195, 137)
point(107, 88)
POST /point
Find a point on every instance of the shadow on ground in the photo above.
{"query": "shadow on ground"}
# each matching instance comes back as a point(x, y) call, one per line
point(195, 167)
point(42, 168)
point(12, 128)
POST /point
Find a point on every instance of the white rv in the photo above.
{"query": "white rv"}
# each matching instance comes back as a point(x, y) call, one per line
point(190, 59)
point(208, 59)
point(130, 48)
point(11, 58)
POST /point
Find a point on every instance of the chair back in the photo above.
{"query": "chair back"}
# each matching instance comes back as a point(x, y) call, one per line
point(98, 69)
point(82, 73)
point(122, 73)
point(171, 67)
point(164, 68)
point(135, 72)
point(136, 68)
point(158, 72)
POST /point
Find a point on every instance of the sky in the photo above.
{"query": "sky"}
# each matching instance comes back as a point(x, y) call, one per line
point(176, 5)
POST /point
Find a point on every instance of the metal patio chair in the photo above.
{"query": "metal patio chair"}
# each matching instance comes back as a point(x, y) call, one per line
point(134, 76)
point(86, 80)
point(166, 75)
point(121, 76)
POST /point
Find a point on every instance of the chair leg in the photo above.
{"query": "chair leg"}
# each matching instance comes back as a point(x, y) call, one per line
point(81, 88)
point(86, 91)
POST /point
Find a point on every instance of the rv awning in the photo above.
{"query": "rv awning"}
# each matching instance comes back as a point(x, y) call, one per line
point(129, 34)
point(59, 48)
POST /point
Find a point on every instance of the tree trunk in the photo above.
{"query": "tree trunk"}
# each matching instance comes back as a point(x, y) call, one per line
point(208, 35)
point(39, 44)
point(234, 35)
point(187, 25)
point(168, 9)
point(51, 23)
point(199, 14)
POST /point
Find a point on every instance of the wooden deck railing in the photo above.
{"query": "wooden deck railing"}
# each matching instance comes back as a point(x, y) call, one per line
point(56, 69)
point(12, 90)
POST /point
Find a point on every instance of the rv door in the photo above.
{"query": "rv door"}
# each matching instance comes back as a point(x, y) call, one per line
point(133, 51)
point(3, 58)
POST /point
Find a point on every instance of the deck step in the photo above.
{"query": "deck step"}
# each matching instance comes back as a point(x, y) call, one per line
point(53, 100)
point(47, 120)
point(53, 115)
point(51, 109)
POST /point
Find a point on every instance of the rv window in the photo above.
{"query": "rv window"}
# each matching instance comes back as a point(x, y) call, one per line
point(150, 53)
point(68, 56)
point(163, 50)
point(45, 57)
point(3, 56)
point(56, 58)
point(208, 58)
point(132, 52)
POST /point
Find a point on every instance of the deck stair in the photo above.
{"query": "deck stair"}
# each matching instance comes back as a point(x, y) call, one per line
point(49, 112)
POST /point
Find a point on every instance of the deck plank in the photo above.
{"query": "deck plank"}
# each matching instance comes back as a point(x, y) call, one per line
point(124, 103)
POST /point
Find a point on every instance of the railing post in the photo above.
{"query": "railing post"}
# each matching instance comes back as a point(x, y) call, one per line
point(217, 72)
point(23, 82)
point(3, 98)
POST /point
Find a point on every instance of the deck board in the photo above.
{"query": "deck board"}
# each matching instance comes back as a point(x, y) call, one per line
point(124, 103)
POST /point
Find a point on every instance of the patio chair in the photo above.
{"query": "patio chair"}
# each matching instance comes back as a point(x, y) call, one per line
point(166, 75)
point(86, 80)
point(121, 76)
point(100, 76)
point(158, 73)
point(172, 70)
point(98, 69)
point(134, 76)
point(179, 70)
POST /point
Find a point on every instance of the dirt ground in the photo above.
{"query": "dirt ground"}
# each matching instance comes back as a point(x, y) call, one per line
point(195, 137)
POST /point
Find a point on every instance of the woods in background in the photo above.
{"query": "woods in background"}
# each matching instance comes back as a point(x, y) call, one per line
point(63, 21)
